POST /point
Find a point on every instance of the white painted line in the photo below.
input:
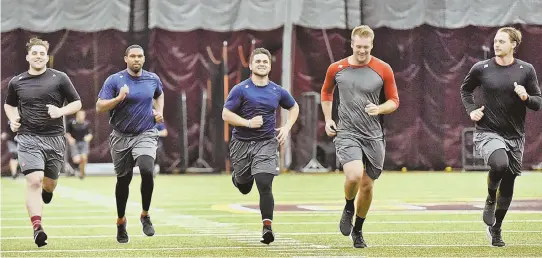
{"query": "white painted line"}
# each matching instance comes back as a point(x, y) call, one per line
point(270, 248)
point(247, 237)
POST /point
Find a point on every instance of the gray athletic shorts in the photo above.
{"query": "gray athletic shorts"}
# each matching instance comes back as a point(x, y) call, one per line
point(126, 148)
point(371, 152)
point(12, 148)
point(254, 157)
point(80, 147)
point(487, 142)
point(41, 153)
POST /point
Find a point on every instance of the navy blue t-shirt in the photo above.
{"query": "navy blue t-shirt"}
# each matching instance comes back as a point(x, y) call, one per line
point(134, 114)
point(248, 100)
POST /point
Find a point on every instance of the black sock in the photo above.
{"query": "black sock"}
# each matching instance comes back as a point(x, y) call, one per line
point(46, 196)
point(122, 191)
point(358, 225)
point(264, 182)
point(349, 204)
point(499, 217)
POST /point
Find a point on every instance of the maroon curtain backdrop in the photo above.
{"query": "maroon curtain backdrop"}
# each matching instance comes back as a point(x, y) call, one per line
point(429, 65)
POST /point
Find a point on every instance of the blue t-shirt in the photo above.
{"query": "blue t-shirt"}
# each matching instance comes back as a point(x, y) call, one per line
point(134, 114)
point(248, 100)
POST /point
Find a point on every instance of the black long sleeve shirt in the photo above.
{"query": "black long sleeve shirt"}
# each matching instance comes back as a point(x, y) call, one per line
point(504, 111)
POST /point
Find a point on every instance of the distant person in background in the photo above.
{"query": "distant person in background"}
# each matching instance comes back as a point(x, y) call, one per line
point(9, 137)
point(160, 152)
point(367, 91)
point(79, 136)
point(508, 86)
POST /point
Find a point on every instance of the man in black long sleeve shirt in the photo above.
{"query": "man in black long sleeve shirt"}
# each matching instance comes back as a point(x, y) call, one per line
point(508, 87)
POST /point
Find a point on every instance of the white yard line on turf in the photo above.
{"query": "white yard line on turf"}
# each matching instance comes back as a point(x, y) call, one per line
point(287, 223)
point(270, 248)
point(248, 236)
point(195, 223)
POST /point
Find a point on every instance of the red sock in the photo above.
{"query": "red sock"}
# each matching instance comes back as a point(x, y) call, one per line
point(36, 222)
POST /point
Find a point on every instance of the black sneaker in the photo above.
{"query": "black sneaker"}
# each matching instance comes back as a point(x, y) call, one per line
point(346, 222)
point(494, 235)
point(233, 180)
point(489, 212)
point(122, 234)
point(357, 238)
point(40, 238)
point(46, 196)
point(267, 235)
point(148, 229)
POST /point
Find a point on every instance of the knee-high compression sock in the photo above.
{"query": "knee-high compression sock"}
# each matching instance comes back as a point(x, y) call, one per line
point(264, 182)
point(122, 191)
point(504, 197)
point(146, 168)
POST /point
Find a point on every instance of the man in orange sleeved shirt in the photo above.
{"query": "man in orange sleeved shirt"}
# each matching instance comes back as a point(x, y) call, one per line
point(367, 90)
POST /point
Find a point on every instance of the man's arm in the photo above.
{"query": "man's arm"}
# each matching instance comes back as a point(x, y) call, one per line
point(293, 113)
point(326, 94)
point(234, 119)
point(470, 83)
point(158, 103)
point(390, 91)
point(71, 108)
point(11, 112)
point(534, 100)
point(162, 133)
point(104, 105)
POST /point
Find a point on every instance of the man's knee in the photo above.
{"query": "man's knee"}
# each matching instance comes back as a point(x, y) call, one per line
point(264, 182)
point(498, 161)
point(34, 179)
point(353, 171)
point(76, 159)
point(146, 165)
point(49, 184)
point(245, 188)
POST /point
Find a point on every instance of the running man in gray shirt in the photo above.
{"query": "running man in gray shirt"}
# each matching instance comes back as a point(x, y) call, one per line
point(508, 87)
point(39, 96)
point(367, 91)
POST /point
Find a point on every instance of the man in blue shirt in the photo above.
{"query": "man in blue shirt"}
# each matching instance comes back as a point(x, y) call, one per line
point(135, 103)
point(250, 108)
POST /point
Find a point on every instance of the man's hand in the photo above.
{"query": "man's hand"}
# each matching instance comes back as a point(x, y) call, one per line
point(123, 93)
point(71, 140)
point(14, 124)
point(88, 138)
point(372, 109)
point(520, 90)
point(54, 111)
point(283, 134)
point(157, 116)
point(477, 114)
point(331, 128)
point(255, 122)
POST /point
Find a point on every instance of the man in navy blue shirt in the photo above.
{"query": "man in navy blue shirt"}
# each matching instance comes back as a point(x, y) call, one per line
point(135, 103)
point(250, 108)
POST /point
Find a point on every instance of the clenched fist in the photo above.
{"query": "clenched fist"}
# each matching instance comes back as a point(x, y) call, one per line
point(520, 90)
point(477, 114)
point(255, 122)
point(124, 91)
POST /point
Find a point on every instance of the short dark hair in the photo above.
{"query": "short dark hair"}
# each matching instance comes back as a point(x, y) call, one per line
point(132, 47)
point(260, 50)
